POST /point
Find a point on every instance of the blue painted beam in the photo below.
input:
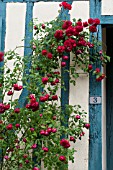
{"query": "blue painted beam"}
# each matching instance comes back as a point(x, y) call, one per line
point(2, 43)
point(95, 110)
point(27, 51)
point(106, 19)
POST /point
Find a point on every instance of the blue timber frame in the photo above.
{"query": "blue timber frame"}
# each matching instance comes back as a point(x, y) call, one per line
point(95, 89)
point(95, 111)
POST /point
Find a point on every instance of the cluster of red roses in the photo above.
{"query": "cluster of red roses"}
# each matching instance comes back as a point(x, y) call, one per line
point(34, 105)
point(4, 107)
point(65, 143)
point(65, 5)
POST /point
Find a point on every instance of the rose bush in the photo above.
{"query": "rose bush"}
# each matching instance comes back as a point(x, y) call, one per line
point(39, 131)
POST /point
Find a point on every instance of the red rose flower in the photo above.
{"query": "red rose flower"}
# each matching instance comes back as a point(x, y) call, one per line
point(9, 127)
point(45, 149)
point(62, 158)
point(60, 49)
point(66, 24)
point(92, 28)
point(96, 21)
point(1, 56)
point(85, 24)
point(49, 55)
point(58, 34)
point(90, 21)
point(65, 143)
point(45, 80)
point(90, 67)
point(9, 93)
point(44, 52)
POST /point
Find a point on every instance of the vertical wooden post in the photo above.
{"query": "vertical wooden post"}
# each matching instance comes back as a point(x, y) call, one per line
point(2, 45)
point(27, 51)
point(95, 110)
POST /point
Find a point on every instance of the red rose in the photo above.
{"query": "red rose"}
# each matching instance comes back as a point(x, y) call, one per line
point(85, 24)
point(92, 28)
point(96, 21)
point(63, 64)
point(60, 49)
point(44, 52)
point(90, 21)
point(79, 23)
point(65, 143)
point(17, 110)
point(45, 149)
point(58, 34)
point(49, 55)
point(45, 80)
point(35, 27)
point(17, 87)
point(54, 97)
point(66, 24)
point(1, 56)
point(17, 125)
point(90, 67)
point(9, 127)
point(70, 31)
point(62, 158)
point(34, 146)
point(9, 93)
point(35, 168)
point(87, 125)
point(79, 28)
point(66, 5)
point(43, 26)
point(72, 138)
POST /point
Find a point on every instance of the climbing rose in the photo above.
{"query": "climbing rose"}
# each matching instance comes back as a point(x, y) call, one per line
point(92, 28)
point(62, 158)
point(44, 52)
point(58, 34)
point(1, 56)
point(34, 146)
point(35, 168)
point(9, 127)
point(85, 24)
point(90, 67)
point(9, 93)
point(87, 125)
point(45, 149)
point(66, 5)
point(90, 21)
point(49, 55)
point(65, 143)
point(17, 87)
point(96, 21)
point(66, 24)
point(60, 49)
point(45, 80)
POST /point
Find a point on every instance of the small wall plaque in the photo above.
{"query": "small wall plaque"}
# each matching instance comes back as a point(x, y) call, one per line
point(95, 100)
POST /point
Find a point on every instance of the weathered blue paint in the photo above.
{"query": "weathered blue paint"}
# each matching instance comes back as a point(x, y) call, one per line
point(27, 51)
point(109, 99)
point(2, 41)
point(0, 32)
point(65, 75)
point(95, 111)
point(106, 19)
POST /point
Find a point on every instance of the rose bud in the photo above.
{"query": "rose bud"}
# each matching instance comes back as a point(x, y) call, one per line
point(63, 64)
point(44, 52)
point(24, 140)
point(87, 125)
point(72, 138)
point(90, 67)
point(25, 156)
point(65, 57)
point(77, 116)
point(42, 132)
point(35, 27)
point(17, 125)
point(45, 80)
point(27, 161)
point(43, 26)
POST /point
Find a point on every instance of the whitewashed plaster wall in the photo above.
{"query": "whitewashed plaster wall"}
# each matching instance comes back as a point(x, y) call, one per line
point(107, 7)
point(15, 33)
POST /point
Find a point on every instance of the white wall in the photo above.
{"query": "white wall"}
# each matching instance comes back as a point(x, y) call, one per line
point(78, 94)
point(107, 7)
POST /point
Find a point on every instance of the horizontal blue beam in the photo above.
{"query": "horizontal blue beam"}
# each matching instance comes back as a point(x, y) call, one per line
point(106, 19)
